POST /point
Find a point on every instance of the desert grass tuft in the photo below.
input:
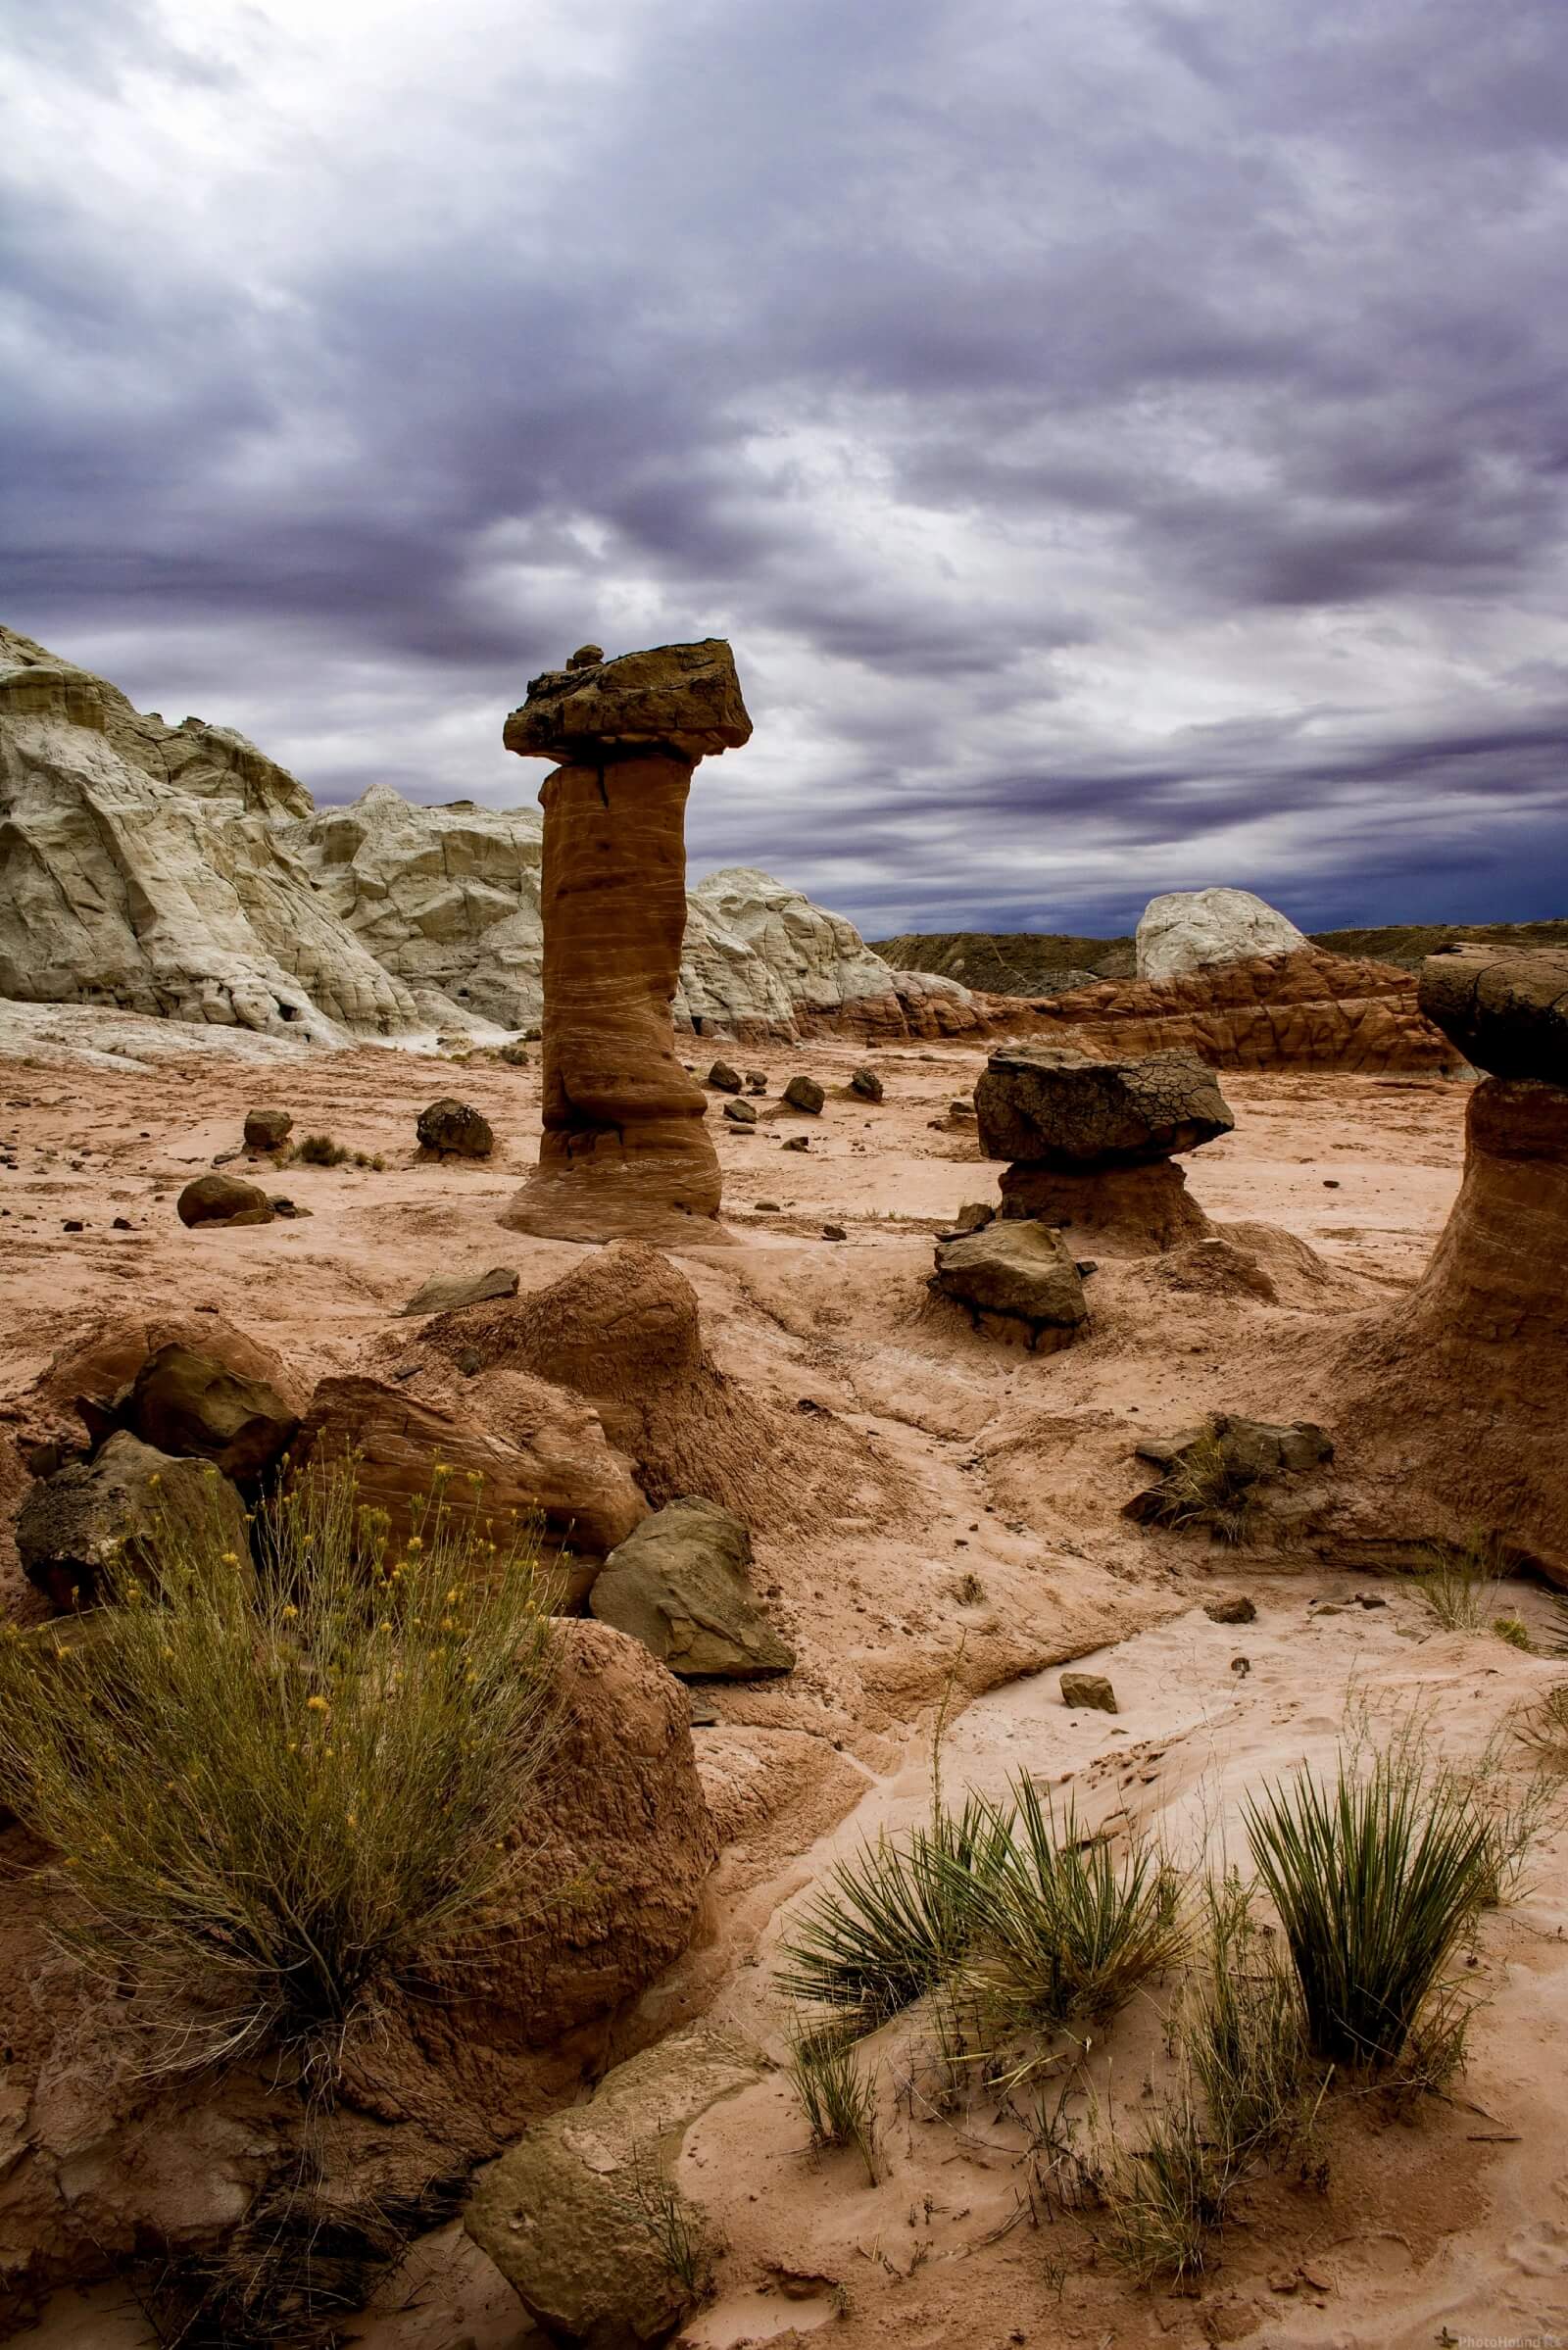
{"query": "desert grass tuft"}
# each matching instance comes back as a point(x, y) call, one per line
point(1461, 1587)
point(1375, 1875)
point(275, 1790)
point(1544, 1726)
point(672, 2226)
point(1241, 2030)
point(321, 1150)
point(837, 2098)
point(1202, 1490)
point(1165, 2201)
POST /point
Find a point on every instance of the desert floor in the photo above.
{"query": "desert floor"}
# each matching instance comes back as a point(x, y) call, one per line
point(981, 1545)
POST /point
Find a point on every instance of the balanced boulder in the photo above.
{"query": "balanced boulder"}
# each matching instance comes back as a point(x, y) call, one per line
point(1191, 930)
point(222, 1200)
point(1505, 1009)
point(680, 1583)
point(454, 1128)
point(1018, 1280)
point(1056, 1108)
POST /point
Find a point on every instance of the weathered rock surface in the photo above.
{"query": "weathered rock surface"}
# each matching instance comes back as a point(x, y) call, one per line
point(1507, 1009)
point(222, 1200)
point(446, 1292)
point(1237, 1610)
point(1018, 1273)
point(454, 1128)
point(1212, 1466)
point(1056, 1109)
point(1126, 1211)
point(740, 1113)
point(1310, 1011)
point(866, 1085)
point(268, 1129)
point(805, 1094)
point(557, 1464)
point(1090, 1689)
point(723, 1079)
point(565, 2215)
point(74, 1523)
point(1191, 930)
point(679, 698)
point(681, 1584)
point(182, 1402)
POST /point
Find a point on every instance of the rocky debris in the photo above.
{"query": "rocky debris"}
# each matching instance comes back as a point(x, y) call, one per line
point(453, 1129)
point(681, 1583)
point(1237, 1609)
point(447, 1293)
point(805, 1094)
point(554, 1464)
point(566, 2214)
point(834, 1232)
point(1207, 1473)
point(268, 1129)
point(797, 1141)
point(740, 1113)
point(1505, 1009)
point(1191, 930)
point(625, 1148)
point(222, 1200)
point(75, 1523)
point(1090, 1689)
point(973, 1216)
point(1311, 1010)
point(1057, 1109)
point(866, 1085)
point(1016, 1279)
point(757, 1081)
point(960, 1109)
point(683, 699)
point(282, 1205)
point(723, 1079)
point(182, 1402)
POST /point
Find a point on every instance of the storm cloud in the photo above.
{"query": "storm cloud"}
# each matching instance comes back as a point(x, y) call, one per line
point(1127, 445)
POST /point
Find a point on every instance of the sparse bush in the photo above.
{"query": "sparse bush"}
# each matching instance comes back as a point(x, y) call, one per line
point(1515, 1633)
point(1545, 1727)
point(968, 1589)
point(838, 2099)
point(1460, 1587)
point(1164, 2201)
point(371, 1160)
point(319, 1151)
point(1241, 2031)
point(1202, 1489)
point(1065, 1931)
point(273, 1790)
point(895, 1919)
point(1374, 1878)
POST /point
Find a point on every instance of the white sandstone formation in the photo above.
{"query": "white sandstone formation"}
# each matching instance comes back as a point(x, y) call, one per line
point(176, 872)
point(1186, 930)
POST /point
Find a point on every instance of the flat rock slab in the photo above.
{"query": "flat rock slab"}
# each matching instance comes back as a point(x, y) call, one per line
point(444, 1292)
point(680, 1583)
point(1054, 1108)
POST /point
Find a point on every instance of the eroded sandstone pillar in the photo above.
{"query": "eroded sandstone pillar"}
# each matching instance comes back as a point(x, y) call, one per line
point(624, 1149)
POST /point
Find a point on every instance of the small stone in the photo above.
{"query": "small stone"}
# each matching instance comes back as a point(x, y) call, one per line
point(805, 1094)
point(834, 1232)
point(757, 1081)
point(723, 1079)
point(454, 1130)
point(768, 1207)
point(222, 1200)
point(1087, 1265)
point(268, 1129)
point(1330, 1183)
point(469, 1361)
point(973, 1216)
point(74, 1224)
point(799, 1142)
point(740, 1113)
point(1326, 1607)
point(960, 1109)
point(224, 1158)
point(867, 1084)
point(282, 1205)
point(1241, 1666)
point(1089, 1689)
point(445, 1293)
point(122, 1224)
point(1370, 1599)
point(1237, 1609)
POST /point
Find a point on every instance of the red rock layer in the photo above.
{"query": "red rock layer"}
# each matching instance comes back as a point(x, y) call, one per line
point(625, 1148)
point(1311, 1010)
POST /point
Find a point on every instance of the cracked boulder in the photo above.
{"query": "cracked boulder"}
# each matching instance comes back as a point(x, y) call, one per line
point(1053, 1107)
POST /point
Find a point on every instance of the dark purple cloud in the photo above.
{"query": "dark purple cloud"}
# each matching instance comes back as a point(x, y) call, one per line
point(1127, 447)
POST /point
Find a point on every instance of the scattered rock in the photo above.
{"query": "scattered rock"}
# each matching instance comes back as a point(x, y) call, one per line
point(799, 1142)
point(805, 1094)
point(290, 1209)
point(1248, 1448)
point(1370, 1599)
point(564, 2215)
point(723, 1079)
point(1017, 1273)
point(740, 1113)
point(1189, 930)
point(960, 1109)
point(444, 1292)
point(867, 1084)
point(73, 1224)
point(1237, 1609)
point(1054, 1107)
point(973, 1216)
point(268, 1129)
point(72, 1524)
point(768, 1207)
point(1089, 1689)
point(1241, 1665)
point(757, 1081)
point(222, 1200)
point(454, 1128)
point(122, 1224)
point(680, 1583)
point(834, 1232)
point(182, 1402)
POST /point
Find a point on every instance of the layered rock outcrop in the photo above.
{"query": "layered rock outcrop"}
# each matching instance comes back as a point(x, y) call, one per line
point(624, 1149)
point(177, 872)
point(1093, 1144)
point(1307, 1011)
point(1460, 1387)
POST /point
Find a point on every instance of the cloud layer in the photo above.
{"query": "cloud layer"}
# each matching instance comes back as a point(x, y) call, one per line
point(1127, 445)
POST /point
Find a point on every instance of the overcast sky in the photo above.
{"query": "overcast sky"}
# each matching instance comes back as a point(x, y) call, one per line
point(1125, 440)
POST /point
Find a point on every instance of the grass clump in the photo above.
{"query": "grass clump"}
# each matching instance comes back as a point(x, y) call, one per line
point(1240, 2029)
point(1065, 1930)
point(1545, 1727)
point(1375, 1877)
point(672, 2226)
point(319, 1151)
point(275, 1789)
point(1460, 1587)
point(837, 2098)
point(1165, 2201)
point(1200, 1488)
point(895, 1919)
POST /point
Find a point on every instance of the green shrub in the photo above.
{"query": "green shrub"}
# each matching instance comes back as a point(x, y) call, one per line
point(319, 1151)
point(1241, 2031)
point(895, 1919)
point(1460, 1587)
point(275, 1789)
point(1165, 2201)
point(838, 2099)
point(1374, 1878)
